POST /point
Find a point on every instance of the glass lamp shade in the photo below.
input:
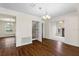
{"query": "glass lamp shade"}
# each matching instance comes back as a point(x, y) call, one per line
point(46, 17)
point(60, 22)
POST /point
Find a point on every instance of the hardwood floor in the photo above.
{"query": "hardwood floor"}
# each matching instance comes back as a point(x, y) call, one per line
point(7, 46)
point(46, 48)
point(60, 48)
point(7, 42)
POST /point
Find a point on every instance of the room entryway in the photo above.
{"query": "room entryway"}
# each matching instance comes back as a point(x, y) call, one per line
point(7, 31)
point(35, 30)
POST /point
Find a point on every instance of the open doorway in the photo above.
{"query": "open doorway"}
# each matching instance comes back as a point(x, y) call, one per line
point(60, 28)
point(7, 31)
point(35, 30)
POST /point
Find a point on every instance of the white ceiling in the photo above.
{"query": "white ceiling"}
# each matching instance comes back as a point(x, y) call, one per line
point(53, 9)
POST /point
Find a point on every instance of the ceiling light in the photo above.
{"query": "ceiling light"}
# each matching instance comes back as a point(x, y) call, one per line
point(60, 22)
point(46, 17)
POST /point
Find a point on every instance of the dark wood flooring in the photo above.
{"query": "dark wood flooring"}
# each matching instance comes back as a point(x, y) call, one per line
point(46, 48)
point(7, 46)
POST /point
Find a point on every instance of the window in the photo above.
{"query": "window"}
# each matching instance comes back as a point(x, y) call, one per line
point(8, 27)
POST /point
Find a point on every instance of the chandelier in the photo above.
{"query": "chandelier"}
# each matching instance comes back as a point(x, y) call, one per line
point(46, 16)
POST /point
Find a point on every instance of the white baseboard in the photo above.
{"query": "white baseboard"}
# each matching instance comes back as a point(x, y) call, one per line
point(23, 44)
point(66, 41)
point(34, 39)
point(72, 42)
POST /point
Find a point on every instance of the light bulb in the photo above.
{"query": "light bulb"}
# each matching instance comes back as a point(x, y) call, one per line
point(60, 22)
point(46, 17)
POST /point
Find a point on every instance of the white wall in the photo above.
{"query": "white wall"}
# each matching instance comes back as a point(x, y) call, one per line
point(23, 26)
point(71, 23)
point(46, 29)
point(71, 29)
point(49, 29)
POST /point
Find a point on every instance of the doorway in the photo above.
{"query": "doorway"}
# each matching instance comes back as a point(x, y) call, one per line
point(7, 31)
point(60, 28)
point(35, 30)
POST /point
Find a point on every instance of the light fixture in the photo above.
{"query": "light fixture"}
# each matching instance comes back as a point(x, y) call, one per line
point(60, 22)
point(46, 16)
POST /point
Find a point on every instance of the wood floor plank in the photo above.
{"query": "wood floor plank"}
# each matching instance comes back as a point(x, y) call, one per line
point(46, 48)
